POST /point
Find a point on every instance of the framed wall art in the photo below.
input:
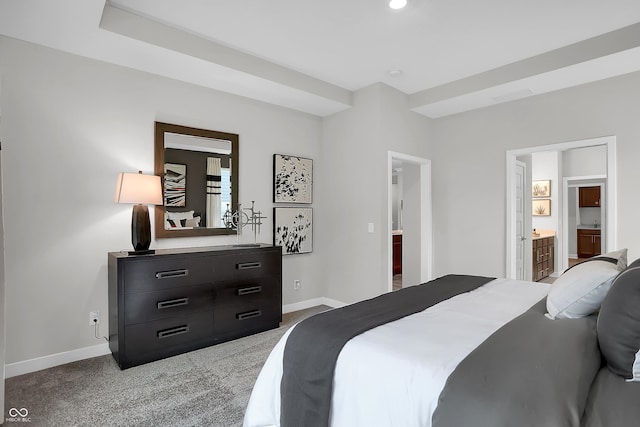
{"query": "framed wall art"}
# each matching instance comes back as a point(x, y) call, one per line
point(175, 184)
point(292, 179)
point(541, 207)
point(293, 229)
point(541, 188)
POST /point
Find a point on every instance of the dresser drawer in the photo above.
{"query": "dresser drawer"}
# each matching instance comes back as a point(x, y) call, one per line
point(248, 266)
point(247, 291)
point(165, 335)
point(233, 323)
point(153, 274)
point(179, 300)
point(247, 306)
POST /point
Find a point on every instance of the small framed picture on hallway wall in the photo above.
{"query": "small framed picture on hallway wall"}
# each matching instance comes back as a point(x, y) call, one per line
point(541, 207)
point(541, 188)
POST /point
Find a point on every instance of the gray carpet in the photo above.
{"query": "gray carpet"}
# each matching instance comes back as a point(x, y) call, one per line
point(207, 387)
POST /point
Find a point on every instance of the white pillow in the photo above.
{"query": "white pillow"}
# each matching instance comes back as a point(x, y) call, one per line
point(180, 215)
point(177, 217)
point(580, 290)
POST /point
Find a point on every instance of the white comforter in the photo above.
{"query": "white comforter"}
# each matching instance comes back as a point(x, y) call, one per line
point(393, 375)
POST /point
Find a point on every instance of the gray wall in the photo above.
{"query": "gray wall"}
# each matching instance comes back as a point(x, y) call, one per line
point(587, 161)
point(355, 146)
point(69, 126)
point(469, 166)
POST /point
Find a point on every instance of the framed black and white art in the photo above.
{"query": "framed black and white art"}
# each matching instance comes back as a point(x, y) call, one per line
point(292, 179)
point(175, 184)
point(293, 230)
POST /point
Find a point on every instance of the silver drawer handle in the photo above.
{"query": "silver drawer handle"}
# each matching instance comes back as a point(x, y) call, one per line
point(173, 303)
point(251, 290)
point(248, 265)
point(248, 315)
point(173, 331)
point(172, 273)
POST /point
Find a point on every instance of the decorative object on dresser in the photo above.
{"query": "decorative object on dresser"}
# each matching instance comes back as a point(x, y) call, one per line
point(142, 190)
point(179, 300)
point(543, 256)
point(292, 179)
point(293, 230)
point(239, 219)
point(200, 170)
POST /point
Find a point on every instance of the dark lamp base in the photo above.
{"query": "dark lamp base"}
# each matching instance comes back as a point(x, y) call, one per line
point(140, 229)
point(144, 252)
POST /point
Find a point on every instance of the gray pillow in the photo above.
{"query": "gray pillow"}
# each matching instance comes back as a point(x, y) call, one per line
point(619, 324)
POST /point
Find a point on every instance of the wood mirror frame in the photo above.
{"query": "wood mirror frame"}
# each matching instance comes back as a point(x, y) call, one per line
point(159, 161)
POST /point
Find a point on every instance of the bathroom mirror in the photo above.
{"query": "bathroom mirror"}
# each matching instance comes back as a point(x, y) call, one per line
point(199, 171)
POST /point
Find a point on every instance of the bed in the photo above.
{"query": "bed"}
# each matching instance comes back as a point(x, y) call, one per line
point(466, 351)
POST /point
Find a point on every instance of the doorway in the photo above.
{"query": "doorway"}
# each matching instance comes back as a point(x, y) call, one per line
point(609, 242)
point(584, 223)
point(409, 217)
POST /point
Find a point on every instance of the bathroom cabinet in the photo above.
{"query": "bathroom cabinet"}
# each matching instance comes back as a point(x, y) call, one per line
point(589, 242)
point(543, 257)
point(589, 197)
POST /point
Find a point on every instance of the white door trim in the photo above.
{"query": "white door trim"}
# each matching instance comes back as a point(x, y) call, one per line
point(611, 207)
point(523, 236)
point(426, 230)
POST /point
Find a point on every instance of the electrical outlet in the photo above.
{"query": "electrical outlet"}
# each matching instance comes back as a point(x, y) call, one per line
point(94, 317)
point(296, 284)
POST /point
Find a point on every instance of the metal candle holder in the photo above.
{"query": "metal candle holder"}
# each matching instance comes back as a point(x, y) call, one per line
point(239, 219)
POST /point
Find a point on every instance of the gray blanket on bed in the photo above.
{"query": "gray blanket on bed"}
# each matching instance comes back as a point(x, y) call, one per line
point(313, 346)
point(532, 372)
point(612, 402)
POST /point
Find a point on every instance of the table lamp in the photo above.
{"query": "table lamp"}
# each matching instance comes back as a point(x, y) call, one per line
point(141, 190)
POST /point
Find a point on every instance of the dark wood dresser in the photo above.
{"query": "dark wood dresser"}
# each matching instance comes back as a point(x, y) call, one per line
point(178, 300)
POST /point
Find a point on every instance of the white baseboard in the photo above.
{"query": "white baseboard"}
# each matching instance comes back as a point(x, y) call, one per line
point(575, 256)
point(44, 362)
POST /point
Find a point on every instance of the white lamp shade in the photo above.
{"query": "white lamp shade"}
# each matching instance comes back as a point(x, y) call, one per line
point(138, 188)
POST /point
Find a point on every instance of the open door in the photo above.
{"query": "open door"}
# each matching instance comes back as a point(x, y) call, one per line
point(521, 235)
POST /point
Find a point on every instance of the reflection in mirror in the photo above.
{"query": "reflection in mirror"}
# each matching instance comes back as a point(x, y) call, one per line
point(200, 171)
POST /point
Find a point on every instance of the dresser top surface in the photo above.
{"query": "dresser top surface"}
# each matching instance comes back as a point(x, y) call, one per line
point(194, 250)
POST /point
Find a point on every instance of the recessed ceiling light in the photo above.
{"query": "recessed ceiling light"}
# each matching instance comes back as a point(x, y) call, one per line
point(395, 72)
point(397, 4)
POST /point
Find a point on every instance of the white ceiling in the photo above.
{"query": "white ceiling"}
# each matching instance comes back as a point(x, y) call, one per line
point(311, 55)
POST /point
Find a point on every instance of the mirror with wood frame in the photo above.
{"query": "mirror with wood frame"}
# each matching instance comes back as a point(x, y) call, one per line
point(199, 171)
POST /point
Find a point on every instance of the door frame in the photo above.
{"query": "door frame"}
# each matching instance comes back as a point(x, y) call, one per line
point(426, 225)
point(526, 223)
point(611, 185)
